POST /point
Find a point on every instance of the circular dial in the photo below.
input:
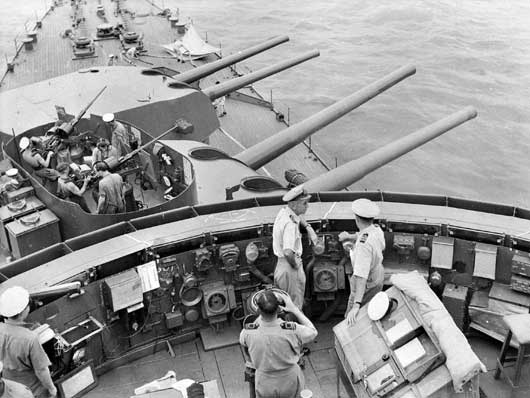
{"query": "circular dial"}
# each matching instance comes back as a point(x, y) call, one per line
point(217, 302)
point(325, 279)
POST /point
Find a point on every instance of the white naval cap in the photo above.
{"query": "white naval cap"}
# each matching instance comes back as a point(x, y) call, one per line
point(365, 208)
point(378, 306)
point(297, 193)
point(13, 301)
point(23, 143)
point(108, 117)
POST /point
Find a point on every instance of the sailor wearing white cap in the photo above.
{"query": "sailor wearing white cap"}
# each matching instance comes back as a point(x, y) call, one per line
point(366, 255)
point(24, 359)
point(120, 138)
point(289, 274)
point(12, 389)
point(38, 163)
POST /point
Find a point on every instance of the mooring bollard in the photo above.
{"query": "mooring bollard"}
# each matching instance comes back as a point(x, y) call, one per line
point(28, 44)
point(174, 21)
point(33, 36)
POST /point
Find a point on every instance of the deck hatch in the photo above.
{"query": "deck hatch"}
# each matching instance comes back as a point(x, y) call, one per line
point(260, 184)
point(208, 153)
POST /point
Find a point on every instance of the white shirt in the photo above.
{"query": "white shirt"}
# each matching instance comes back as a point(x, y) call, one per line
point(367, 255)
point(286, 233)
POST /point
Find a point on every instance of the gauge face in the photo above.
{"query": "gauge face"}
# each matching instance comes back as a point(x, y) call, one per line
point(217, 302)
point(325, 279)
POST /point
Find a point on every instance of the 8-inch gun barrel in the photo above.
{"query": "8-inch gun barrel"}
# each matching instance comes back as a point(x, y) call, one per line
point(269, 149)
point(227, 87)
point(353, 171)
point(193, 75)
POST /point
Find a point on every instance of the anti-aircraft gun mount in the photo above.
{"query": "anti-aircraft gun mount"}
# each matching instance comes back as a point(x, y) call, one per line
point(66, 128)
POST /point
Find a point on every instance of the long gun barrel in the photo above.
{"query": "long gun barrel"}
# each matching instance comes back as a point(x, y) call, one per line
point(130, 155)
point(57, 290)
point(198, 73)
point(353, 171)
point(270, 148)
point(227, 87)
point(66, 128)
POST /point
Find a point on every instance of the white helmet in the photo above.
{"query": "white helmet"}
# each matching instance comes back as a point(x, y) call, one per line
point(23, 143)
point(108, 117)
point(13, 301)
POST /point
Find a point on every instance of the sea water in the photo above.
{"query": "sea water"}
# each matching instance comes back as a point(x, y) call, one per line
point(466, 53)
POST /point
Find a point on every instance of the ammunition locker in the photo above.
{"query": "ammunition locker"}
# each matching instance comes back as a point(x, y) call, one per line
point(39, 232)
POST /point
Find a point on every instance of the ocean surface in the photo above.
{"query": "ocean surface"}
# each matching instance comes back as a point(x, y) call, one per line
point(466, 52)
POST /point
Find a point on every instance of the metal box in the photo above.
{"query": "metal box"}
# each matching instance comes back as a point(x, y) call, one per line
point(521, 264)
point(174, 319)
point(485, 261)
point(7, 215)
point(19, 194)
point(442, 252)
point(455, 300)
point(26, 239)
point(123, 290)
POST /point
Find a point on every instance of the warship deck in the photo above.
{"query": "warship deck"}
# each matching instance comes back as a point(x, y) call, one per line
point(250, 118)
point(245, 124)
point(226, 366)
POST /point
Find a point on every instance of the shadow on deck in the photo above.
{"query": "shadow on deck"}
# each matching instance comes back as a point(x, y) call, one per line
point(226, 366)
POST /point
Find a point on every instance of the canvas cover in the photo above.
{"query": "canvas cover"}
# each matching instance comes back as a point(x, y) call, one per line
point(462, 362)
point(191, 45)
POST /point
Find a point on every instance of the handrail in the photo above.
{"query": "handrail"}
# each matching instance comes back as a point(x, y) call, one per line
point(190, 212)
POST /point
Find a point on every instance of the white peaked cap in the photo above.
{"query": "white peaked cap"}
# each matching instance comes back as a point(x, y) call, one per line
point(365, 208)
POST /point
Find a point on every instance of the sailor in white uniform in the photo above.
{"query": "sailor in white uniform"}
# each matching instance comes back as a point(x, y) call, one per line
point(366, 253)
point(289, 274)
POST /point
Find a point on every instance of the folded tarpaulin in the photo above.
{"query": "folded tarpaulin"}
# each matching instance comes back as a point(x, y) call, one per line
point(462, 363)
point(191, 45)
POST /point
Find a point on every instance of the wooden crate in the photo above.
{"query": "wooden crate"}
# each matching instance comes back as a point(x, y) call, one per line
point(360, 348)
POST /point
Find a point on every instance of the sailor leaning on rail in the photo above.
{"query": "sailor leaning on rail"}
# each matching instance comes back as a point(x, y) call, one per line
point(23, 357)
point(289, 273)
point(366, 253)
